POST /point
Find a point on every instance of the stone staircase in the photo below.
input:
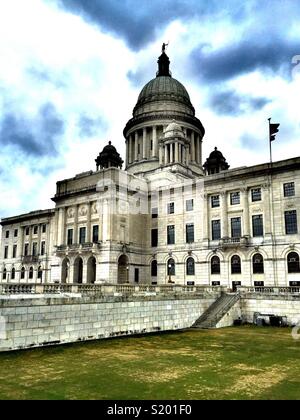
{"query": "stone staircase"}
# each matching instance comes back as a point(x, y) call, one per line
point(211, 317)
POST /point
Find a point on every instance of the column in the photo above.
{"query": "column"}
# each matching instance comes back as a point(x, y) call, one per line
point(267, 210)
point(154, 141)
point(166, 154)
point(176, 152)
point(161, 157)
point(75, 238)
point(198, 150)
point(187, 155)
point(20, 243)
point(127, 152)
point(246, 212)
point(224, 220)
point(183, 155)
point(136, 142)
point(61, 226)
point(88, 223)
point(171, 153)
point(206, 217)
point(193, 147)
point(144, 143)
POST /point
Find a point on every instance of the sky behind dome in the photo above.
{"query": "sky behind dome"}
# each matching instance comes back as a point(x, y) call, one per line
point(71, 72)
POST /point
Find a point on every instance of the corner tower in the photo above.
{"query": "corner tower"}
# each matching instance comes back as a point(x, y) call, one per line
point(163, 101)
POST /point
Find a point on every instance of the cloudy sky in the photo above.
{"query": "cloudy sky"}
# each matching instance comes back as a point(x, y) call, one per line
point(71, 71)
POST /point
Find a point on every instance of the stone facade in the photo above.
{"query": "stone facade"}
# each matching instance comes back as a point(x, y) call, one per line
point(163, 219)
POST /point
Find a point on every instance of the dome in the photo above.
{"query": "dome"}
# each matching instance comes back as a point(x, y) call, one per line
point(215, 163)
point(174, 130)
point(109, 157)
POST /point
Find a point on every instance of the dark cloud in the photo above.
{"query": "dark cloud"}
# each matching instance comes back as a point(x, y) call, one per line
point(89, 127)
point(231, 103)
point(37, 136)
point(273, 55)
point(138, 22)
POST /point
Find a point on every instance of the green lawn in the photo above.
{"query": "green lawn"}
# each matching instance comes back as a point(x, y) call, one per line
point(231, 363)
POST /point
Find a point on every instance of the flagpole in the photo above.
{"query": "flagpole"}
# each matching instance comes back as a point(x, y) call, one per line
point(271, 160)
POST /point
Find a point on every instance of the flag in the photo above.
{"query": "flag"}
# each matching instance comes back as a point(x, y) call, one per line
point(273, 131)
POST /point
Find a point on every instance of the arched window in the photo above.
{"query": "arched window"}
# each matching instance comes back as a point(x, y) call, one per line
point(4, 274)
point(154, 268)
point(13, 273)
point(258, 264)
point(236, 265)
point(22, 273)
point(215, 265)
point(40, 273)
point(171, 267)
point(190, 267)
point(293, 263)
point(30, 273)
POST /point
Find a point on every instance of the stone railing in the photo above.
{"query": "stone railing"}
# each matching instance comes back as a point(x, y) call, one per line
point(269, 290)
point(233, 242)
point(87, 246)
point(107, 289)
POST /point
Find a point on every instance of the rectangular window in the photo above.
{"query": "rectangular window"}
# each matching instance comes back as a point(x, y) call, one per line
point(189, 233)
point(215, 201)
point(43, 248)
point(70, 236)
point(82, 235)
point(34, 249)
point(189, 205)
point(171, 235)
point(35, 230)
point(154, 238)
point(7, 234)
point(258, 225)
point(235, 198)
point(256, 194)
point(16, 233)
point(154, 212)
point(216, 230)
point(289, 189)
point(136, 275)
point(95, 234)
point(171, 208)
point(15, 251)
point(6, 252)
point(236, 227)
point(44, 228)
point(27, 230)
point(291, 227)
point(26, 250)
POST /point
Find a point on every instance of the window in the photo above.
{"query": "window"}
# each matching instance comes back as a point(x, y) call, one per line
point(43, 248)
point(216, 229)
point(15, 251)
point(256, 194)
point(16, 233)
point(236, 228)
point(291, 226)
point(154, 268)
point(13, 273)
point(258, 264)
point(5, 252)
point(293, 263)
point(289, 189)
point(154, 238)
point(215, 265)
point(236, 265)
point(35, 230)
point(171, 267)
point(154, 213)
point(22, 273)
point(26, 250)
point(30, 273)
point(4, 274)
point(44, 228)
point(70, 237)
point(171, 208)
point(190, 266)
point(136, 275)
point(189, 233)
point(258, 225)
point(82, 234)
point(34, 249)
point(7, 234)
point(235, 198)
point(171, 235)
point(27, 231)
point(189, 205)
point(40, 273)
point(95, 234)
point(215, 201)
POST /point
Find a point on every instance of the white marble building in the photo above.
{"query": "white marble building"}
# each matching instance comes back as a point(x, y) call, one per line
point(167, 217)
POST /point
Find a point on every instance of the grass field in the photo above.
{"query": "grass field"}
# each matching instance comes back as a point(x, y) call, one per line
point(232, 363)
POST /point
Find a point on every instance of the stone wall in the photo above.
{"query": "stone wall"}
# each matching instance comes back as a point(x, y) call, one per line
point(35, 322)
